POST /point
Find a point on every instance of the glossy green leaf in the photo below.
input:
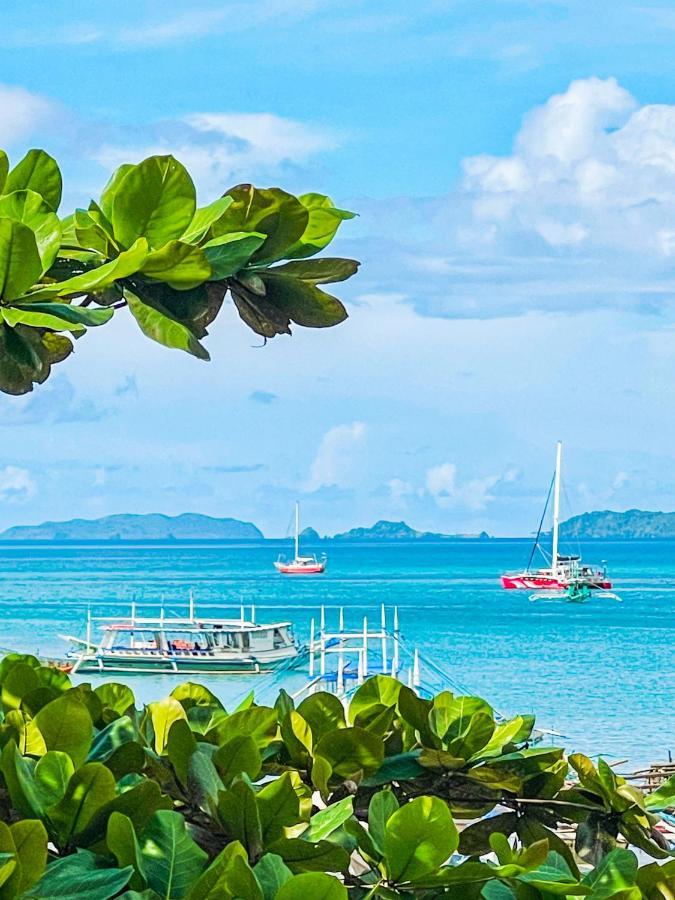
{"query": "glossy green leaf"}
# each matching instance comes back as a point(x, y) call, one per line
point(228, 876)
point(4, 169)
point(66, 725)
point(381, 808)
point(271, 873)
point(182, 266)
point(240, 755)
point(351, 752)
point(82, 876)
point(52, 774)
point(326, 821)
point(323, 712)
point(190, 694)
point(28, 842)
point(418, 838)
point(180, 747)
point(20, 680)
point(122, 842)
point(20, 263)
point(318, 271)
point(33, 211)
point(89, 789)
point(312, 885)
point(172, 861)
point(307, 856)
point(323, 221)
point(229, 253)
point(161, 327)
point(110, 190)
point(155, 200)
point(238, 812)
point(204, 218)
point(278, 807)
point(259, 723)
point(66, 312)
point(37, 172)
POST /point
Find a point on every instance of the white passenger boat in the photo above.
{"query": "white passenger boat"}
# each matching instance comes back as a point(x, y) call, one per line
point(192, 646)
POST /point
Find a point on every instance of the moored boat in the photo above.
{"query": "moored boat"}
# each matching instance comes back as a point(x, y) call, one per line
point(191, 645)
point(300, 565)
point(563, 572)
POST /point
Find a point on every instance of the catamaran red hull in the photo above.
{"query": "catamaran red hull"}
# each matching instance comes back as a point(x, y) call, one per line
point(530, 581)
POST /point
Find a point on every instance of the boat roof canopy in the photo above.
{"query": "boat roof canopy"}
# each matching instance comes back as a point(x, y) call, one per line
point(198, 626)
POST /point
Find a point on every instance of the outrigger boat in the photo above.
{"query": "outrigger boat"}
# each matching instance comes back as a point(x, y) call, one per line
point(563, 572)
point(575, 593)
point(300, 565)
point(191, 645)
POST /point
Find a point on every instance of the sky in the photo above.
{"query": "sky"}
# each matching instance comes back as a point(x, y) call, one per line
point(512, 165)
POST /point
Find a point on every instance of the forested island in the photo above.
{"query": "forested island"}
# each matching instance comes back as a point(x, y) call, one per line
point(634, 524)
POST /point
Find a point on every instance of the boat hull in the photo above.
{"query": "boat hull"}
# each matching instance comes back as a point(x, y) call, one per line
point(291, 569)
point(531, 581)
point(188, 665)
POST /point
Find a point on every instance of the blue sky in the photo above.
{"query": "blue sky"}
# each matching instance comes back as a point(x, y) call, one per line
point(513, 167)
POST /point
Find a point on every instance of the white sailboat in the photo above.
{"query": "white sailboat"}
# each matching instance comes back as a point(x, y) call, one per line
point(300, 565)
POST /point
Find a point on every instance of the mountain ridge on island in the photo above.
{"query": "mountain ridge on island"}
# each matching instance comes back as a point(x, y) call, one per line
point(385, 530)
point(138, 527)
point(633, 524)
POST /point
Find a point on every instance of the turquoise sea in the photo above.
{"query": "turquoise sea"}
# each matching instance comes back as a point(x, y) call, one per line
point(601, 674)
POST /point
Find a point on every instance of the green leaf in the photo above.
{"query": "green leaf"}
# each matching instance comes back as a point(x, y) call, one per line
point(160, 327)
point(351, 752)
point(123, 844)
point(182, 266)
point(4, 169)
point(117, 697)
point(82, 876)
point(228, 876)
point(33, 211)
point(238, 756)
point(204, 784)
point(323, 712)
point(52, 774)
point(302, 302)
point(20, 782)
point(258, 722)
point(14, 315)
point(229, 253)
point(38, 172)
point(324, 219)
point(272, 873)
point(180, 748)
point(29, 840)
point(306, 856)
point(93, 280)
point(117, 733)
point(66, 725)
point(418, 838)
point(313, 885)
point(89, 789)
point(663, 797)
point(20, 264)
point(269, 211)
point(20, 680)
point(162, 715)
point(278, 807)
point(138, 803)
point(204, 218)
point(319, 271)
point(172, 861)
point(110, 190)
point(382, 807)
point(190, 694)
point(155, 200)
point(326, 821)
point(238, 811)
point(78, 315)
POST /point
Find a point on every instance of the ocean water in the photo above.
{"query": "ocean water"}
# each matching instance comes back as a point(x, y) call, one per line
point(601, 674)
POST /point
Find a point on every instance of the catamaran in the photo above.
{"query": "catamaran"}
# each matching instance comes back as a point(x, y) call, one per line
point(300, 565)
point(189, 645)
point(562, 572)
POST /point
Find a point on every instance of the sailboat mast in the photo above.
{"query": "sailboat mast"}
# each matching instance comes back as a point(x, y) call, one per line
point(297, 529)
point(556, 507)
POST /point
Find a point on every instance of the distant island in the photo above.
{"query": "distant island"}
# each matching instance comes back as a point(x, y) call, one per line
point(196, 527)
point(127, 527)
point(394, 531)
point(634, 524)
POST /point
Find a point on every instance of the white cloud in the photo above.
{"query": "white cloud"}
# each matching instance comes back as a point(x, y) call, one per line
point(443, 485)
point(219, 148)
point(16, 485)
point(22, 113)
point(332, 464)
point(400, 490)
point(590, 169)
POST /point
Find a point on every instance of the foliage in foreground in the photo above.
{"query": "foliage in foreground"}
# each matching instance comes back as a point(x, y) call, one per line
point(146, 245)
point(185, 800)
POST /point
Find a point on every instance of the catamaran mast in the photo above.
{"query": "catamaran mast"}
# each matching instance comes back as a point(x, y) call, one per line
point(297, 529)
point(556, 507)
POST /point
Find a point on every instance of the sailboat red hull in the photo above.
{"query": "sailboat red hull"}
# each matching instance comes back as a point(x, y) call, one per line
point(293, 569)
